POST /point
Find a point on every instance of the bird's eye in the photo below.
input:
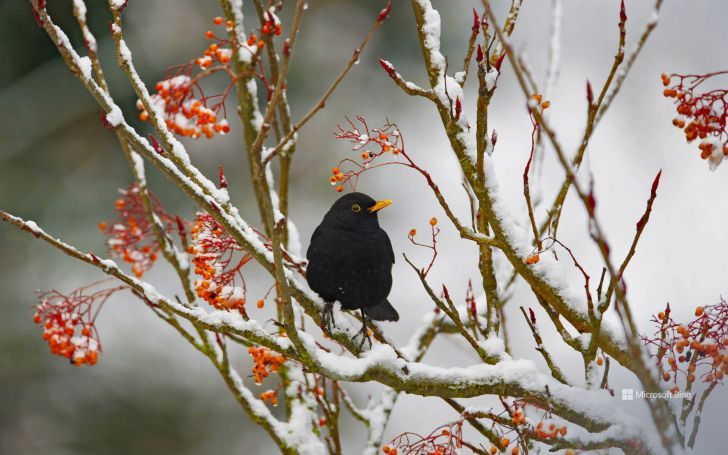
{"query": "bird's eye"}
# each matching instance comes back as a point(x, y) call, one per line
point(355, 208)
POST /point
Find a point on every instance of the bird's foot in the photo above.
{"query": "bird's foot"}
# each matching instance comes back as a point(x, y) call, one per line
point(364, 332)
point(328, 317)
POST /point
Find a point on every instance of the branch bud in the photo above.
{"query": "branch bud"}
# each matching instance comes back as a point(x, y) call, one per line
point(622, 13)
point(155, 145)
point(458, 108)
point(479, 54)
point(499, 62)
point(287, 48)
point(384, 13)
point(655, 184)
point(476, 21)
point(388, 68)
point(223, 179)
point(589, 94)
point(37, 19)
point(484, 24)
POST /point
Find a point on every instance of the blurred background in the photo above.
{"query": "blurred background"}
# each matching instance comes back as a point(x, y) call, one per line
point(150, 392)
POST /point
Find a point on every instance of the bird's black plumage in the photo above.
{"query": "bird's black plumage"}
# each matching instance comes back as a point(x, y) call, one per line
point(350, 258)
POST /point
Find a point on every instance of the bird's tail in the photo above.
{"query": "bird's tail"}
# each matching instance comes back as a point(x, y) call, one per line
point(382, 312)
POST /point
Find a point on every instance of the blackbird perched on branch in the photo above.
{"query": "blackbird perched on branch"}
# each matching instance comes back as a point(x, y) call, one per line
point(350, 260)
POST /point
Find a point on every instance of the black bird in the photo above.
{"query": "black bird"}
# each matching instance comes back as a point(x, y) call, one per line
point(350, 260)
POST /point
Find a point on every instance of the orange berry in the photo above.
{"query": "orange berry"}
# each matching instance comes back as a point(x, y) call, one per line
point(339, 188)
point(336, 171)
point(546, 105)
point(600, 361)
point(386, 449)
point(661, 315)
point(261, 303)
point(412, 232)
point(493, 451)
point(217, 20)
point(102, 226)
point(666, 376)
point(514, 451)
point(505, 442)
point(699, 311)
point(209, 34)
point(433, 221)
point(532, 259)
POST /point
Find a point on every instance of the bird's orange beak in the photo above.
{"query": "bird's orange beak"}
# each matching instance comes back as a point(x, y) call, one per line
point(380, 205)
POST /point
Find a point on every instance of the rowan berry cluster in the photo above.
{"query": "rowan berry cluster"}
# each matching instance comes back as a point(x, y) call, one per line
point(550, 431)
point(265, 362)
point(214, 254)
point(68, 323)
point(214, 53)
point(131, 235)
point(270, 396)
point(183, 112)
point(694, 351)
point(444, 440)
point(372, 144)
point(700, 115)
point(435, 231)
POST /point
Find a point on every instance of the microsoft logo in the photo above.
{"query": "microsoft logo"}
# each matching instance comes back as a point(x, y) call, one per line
point(628, 394)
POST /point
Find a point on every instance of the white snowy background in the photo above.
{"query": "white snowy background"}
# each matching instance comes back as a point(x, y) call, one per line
point(150, 390)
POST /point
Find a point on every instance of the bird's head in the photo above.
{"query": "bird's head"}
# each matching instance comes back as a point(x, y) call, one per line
point(355, 211)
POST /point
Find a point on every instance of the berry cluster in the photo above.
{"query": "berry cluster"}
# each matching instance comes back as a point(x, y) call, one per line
point(433, 246)
point(131, 235)
point(372, 144)
point(444, 440)
point(270, 396)
point(184, 113)
point(696, 350)
point(213, 252)
point(265, 362)
point(701, 115)
point(549, 432)
point(68, 323)
point(214, 53)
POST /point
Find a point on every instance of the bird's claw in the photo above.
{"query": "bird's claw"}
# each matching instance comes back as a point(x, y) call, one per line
point(364, 332)
point(328, 317)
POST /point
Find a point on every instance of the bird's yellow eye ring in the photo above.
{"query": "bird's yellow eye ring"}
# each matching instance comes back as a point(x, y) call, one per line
point(355, 208)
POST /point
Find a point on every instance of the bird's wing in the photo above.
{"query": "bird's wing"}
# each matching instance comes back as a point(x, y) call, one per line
point(389, 246)
point(315, 234)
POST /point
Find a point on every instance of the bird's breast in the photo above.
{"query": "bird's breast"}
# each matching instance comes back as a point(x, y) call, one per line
point(352, 267)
